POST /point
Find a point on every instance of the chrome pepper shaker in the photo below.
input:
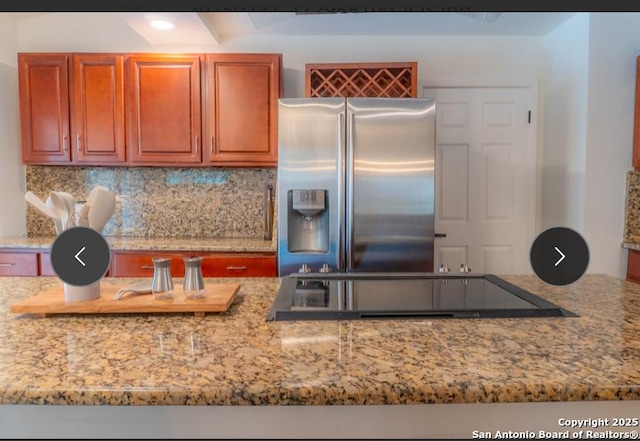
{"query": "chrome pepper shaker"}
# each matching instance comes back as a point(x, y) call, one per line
point(162, 284)
point(193, 285)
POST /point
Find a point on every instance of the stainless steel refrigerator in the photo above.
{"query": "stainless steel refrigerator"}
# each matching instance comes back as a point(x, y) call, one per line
point(355, 184)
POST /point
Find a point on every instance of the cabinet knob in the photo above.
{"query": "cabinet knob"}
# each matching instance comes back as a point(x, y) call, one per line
point(197, 145)
point(78, 142)
point(65, 143)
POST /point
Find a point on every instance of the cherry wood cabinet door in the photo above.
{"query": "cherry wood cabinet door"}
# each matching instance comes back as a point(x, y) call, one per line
point(241, 108)
point(44, 108)
point(18, 263)
point(97, 109)
point(140, 263)
point(238, 265)
point(163, 116)
point(46, 269)
point(633, 266)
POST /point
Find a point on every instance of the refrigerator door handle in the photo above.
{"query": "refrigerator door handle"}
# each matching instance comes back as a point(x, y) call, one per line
point(349, 192)
point(340, 255)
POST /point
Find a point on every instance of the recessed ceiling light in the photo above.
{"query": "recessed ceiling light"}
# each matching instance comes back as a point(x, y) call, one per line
point(162, 24)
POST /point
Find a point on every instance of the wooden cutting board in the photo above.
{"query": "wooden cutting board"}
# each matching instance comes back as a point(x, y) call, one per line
point(218, 298)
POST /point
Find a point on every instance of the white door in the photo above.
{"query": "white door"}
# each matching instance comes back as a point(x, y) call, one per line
point(485, 179)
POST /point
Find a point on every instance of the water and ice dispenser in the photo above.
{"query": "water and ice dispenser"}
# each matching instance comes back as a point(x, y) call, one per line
point(308, 221)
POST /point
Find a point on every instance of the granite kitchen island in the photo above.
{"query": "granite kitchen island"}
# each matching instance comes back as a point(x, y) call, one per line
point(177, 375)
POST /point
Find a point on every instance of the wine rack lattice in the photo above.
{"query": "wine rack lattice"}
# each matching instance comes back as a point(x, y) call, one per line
point(388, 80)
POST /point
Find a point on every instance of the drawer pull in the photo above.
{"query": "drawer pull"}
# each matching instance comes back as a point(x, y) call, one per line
point(146, 266)
point(236, 268)
point(7, 264)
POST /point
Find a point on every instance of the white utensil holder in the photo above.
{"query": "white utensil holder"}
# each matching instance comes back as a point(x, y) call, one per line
point(73, 293)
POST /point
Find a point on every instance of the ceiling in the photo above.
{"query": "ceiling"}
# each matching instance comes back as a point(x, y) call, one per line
point(233, 24)
point(217, 27)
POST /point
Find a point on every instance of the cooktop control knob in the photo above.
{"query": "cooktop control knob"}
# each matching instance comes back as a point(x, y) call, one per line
point(325, 268)
point(464, 268)
point(443, 268)
point(304, 268)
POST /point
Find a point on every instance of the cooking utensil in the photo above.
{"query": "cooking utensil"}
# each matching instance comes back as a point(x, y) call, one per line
point(83, 220)
point(92, 193)
point(143, 287)
point(69, 200)
point(102, 207)
point(37, 203)
point(58, 204)
point(74, 219)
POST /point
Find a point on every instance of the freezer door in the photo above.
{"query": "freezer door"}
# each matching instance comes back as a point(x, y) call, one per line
point(310, 175)
point(390, 165)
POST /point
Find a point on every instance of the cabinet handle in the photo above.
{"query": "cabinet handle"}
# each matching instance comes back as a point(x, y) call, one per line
point(146, 266)
point(197, 144)
point(236, 268)
point(78, 141)
point(7, 264)
point(65, 143)
point(212, 145)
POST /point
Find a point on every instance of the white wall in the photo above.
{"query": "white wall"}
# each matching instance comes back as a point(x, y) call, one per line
point(441, 60)
point(13, 212)
point(613, 48)
point(565, 125)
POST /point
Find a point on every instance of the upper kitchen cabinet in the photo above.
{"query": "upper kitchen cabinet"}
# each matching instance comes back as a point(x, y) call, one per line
point(44, 108)
point(72, 117)
point(163, 109)
point(97, 109)
point(240, 112)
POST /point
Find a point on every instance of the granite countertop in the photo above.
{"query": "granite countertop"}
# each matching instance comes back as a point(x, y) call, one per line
point(631, 245)
point(238, 358)
point(214, 244)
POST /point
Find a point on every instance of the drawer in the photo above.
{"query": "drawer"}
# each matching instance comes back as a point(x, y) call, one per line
point(18, 264)
point(633, 266)
point(45, 265)
point(126, 264)
point(238, 265)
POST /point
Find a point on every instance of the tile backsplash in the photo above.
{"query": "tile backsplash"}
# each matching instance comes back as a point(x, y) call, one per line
point(162, 202)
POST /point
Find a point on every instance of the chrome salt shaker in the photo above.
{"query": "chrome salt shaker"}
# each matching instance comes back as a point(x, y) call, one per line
point(162, 284)
point(193, 285)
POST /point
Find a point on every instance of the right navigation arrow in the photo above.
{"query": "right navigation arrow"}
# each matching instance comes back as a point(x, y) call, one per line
point(561, 259)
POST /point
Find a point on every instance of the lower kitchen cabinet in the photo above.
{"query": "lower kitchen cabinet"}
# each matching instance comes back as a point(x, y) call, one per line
point(633, 266)
point(231, 264)
point(18, 263)
point(238, 265)
point(31, 262)
point(45, 264)
point(140, 264)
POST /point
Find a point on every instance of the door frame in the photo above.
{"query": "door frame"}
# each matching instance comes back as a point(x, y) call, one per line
point(534, 134)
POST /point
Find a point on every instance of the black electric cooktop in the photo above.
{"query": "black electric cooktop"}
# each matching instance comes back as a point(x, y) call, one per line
point(358, 296)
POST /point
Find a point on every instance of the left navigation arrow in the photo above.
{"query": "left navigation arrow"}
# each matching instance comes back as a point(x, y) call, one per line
point(78, 259)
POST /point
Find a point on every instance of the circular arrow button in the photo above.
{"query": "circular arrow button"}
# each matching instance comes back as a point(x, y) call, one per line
point(559, 256)
point(80, 256)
